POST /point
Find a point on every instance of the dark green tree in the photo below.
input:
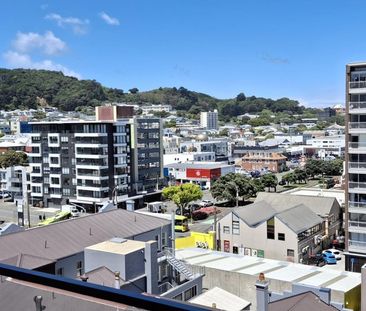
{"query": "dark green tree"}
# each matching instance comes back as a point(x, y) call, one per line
point(13, 158)
point(269, 181)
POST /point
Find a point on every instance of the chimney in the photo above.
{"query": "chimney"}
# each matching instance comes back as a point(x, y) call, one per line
point(117, 284)
point(262, 293)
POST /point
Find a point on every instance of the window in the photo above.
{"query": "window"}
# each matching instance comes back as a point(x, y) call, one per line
point(64, 139)
point(188, 294)
point(235, 250)
point(79, 267)
point(60, 271)
point(281, 236)
point(270, 229)
point(65, 170)
point(290, 253)
point(164, 239)
point(178, 297)
point(66, 191)
point(236, 224)
point(227, 229)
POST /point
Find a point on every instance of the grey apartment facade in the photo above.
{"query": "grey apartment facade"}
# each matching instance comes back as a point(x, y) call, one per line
point(82, 162)
point(355, 214)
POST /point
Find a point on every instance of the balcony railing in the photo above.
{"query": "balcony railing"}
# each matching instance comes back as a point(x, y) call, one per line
point(357, 165)
point(352, 204)
point(357, 244)
point(354, 184)
point(357, 105)
point(357, 125)
point(358, 224)
point(357, 84)
point(357, 145)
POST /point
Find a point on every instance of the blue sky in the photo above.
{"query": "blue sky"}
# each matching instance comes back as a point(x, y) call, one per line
point(273, 48)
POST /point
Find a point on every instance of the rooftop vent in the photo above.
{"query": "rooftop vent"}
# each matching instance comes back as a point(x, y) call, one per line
point(118, 240)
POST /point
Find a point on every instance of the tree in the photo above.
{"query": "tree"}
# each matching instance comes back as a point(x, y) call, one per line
point(183, 194)
point(240, 97)
point(13, 158)
point(134, 90)
point(224, 132)
point(39, 115)
point(313, 167)
point(289, 178)
point(232, 186)
point(269, 181)
point(300, 175)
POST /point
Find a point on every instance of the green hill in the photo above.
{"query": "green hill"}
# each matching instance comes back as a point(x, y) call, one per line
point(28, 88)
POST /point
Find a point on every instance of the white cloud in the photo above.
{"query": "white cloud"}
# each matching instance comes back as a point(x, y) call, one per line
point(109, 19)
point(78, 26)
point(47, 43)
point(16, 59)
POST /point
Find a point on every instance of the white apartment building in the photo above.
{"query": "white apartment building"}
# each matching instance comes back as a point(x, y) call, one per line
point(327, 145)
point(355, 212)
point(189, 157)
point(210, 120)
point(155, 108)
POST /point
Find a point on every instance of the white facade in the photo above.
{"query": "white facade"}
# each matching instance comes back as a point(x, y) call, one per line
point(189, 157)
point(210, 120)
point(328, 145)
point(155, 108)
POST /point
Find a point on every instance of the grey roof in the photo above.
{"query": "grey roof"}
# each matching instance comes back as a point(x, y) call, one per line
point(299, 218)
point(102, 276)
point(203, 165)
point(18, 295)
point(255, 213)
point(302, 302)
point(319, 205)
point(69, 237)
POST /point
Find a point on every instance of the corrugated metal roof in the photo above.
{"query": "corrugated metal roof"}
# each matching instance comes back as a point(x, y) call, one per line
point(319, 205)
point(255, 213)
point(299, 218)
point(69, 237)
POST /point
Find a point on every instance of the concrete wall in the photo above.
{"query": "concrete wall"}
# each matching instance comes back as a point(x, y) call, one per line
point(196, 238)
point(95, 259)
point(151, 236)
point(243, 285)
point(134, 264)
point(256, 238)
point(363, 288)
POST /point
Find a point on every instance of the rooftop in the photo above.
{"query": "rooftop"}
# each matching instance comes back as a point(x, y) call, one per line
point(201, 165)
point(121, 247)
point(273, 269)
point(65, 238)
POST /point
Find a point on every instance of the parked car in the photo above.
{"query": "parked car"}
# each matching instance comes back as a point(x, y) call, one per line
point(329, 259)
point(75, 212)
point(337, 254)
point(206, 203)
point(282, 182)
point(194, 207)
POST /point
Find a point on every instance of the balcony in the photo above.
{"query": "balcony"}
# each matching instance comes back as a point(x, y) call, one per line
point(357, 107)
point(357, 148)
point(356, 167)
point(357, 127)
point(357, 187)
point(357, 207)
point(357, 87)
point(356, 246)
point(357, 226)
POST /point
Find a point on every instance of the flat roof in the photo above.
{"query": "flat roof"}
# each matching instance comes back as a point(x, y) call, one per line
point(273, 269)
point(202, 165)
point(122, 247)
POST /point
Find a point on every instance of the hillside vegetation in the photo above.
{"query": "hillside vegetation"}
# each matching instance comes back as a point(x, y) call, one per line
point(28, 88)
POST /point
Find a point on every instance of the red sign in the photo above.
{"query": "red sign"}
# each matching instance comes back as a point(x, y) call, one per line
point(198, 173)
point(203, 173)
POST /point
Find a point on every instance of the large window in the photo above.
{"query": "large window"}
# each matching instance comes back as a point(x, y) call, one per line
point(236, 224)
point(188, 294)
point(227, 229)
point(281, 236)
point(271, 229)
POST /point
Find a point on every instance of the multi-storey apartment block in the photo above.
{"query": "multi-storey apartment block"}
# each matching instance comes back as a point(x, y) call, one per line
point(84, 162)
point(355, 213)
point(210, 120)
